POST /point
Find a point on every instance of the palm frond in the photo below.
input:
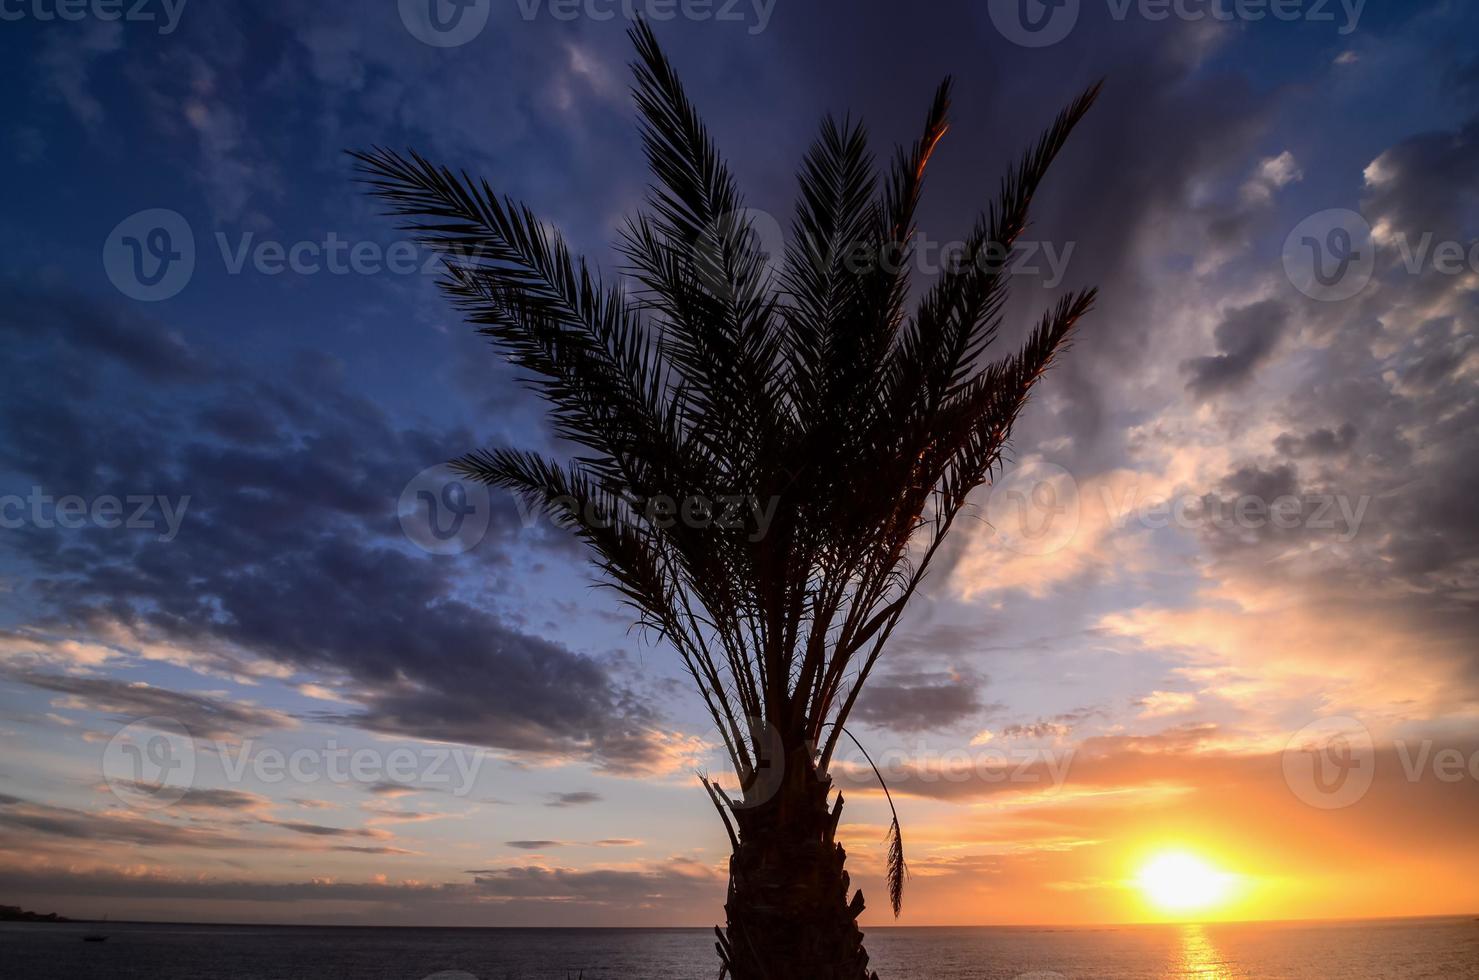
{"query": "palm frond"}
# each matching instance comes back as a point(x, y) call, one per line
point(898, 870)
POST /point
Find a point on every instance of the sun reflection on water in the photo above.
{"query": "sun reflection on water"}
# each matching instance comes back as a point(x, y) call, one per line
point(1199, 958)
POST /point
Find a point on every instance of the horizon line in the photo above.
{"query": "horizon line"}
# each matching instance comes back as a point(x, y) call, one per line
point(999, 925)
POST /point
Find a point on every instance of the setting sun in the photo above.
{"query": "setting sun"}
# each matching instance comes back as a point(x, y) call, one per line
point(1176, 881)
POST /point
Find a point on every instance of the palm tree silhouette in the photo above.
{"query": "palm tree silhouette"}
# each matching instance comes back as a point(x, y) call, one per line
point(768, 461)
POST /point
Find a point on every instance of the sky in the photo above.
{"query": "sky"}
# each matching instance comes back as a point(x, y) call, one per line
point(261, 662)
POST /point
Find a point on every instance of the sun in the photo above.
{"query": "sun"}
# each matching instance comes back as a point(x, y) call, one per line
point(1177, 882)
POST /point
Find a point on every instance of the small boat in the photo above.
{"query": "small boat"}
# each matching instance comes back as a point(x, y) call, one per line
point(95, 937)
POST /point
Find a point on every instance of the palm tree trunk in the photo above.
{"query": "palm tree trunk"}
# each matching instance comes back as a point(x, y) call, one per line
point(790, 914)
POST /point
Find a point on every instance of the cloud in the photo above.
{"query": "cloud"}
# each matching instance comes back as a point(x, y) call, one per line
point(392, 790)
point(1425, 183)
point(675, 879)
point(920, 701)
point(1159, 704)
point(209, 798)
point(290, 559)
point(67, 62)
point(577, 798)
point(203, 716)
point(21, 821)
point(1245, 338)
point(56, 323)
point(648, 893)
point(1263, 649)
point(1320, 442)
point(321, 830)
point(1036, 729)
point(1273, 174)
point(1053, 528)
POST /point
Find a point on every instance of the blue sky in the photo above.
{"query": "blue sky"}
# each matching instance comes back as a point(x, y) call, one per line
point(282, 414)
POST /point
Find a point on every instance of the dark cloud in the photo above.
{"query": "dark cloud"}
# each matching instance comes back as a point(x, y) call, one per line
point(1036, 729)
point(1245, 338)
point(201, 715)
point(320, 830)
point(921, 701)
point(1319, 442)
point(35, 321)
point(28, 819)
point(577, 798)
point(678, 878)
point(533, 845)
point(386, 788)
point(1251, 480)
point(658, 891)
point(207, 798)
point(79, 825)
point(290, 550)
point(1058, 726)
point(1382, 415)
point(1426, 185)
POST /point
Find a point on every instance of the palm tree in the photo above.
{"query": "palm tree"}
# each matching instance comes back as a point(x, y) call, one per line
point(851, 430)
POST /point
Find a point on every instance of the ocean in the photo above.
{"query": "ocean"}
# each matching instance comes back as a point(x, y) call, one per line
point(1441, 949)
